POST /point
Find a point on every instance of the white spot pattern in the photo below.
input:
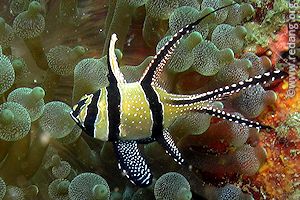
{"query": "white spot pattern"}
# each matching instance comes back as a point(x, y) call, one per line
point(132, 163)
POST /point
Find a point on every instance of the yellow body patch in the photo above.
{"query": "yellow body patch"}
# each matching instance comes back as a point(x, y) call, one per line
point(83, 113)
point(101, 124)
point(136, 118)
point(171, 111)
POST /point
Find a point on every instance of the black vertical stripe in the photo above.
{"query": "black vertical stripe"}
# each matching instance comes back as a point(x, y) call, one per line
point(152, 97)
point(156, 110)
point(76, 112)
point(92, 112)
point(113, 101)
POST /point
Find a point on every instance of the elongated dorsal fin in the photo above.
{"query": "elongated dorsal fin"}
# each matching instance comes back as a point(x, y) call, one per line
point(113, 65)
point(155, 68)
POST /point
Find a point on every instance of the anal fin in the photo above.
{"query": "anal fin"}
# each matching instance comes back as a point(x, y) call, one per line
point(132, 163)
point(166, 141)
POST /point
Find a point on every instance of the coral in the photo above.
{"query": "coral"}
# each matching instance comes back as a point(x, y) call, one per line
point(18, 6)
point(71, 137)
point(56, 120)
point(238, 13)
point(234, 72)
point(232, 192)
point(182, 58)
point(20, 68)
point(252, 101)
point(156, 12)
point(292, 122)
point(134, 73)
point(2, 188)
point(60, 169)
point(6, 34)
point(7, 73)
point(227, 36)
point(13, 192)
point(222, 14)
point(58, 189)
point(185, 15)
point(31, 23)
point(85, 71)
point(64, 65)
point(31, 99)
point(88, 186)
point(172, 185)
point(261, 32)
point(15, 121)
point(209, 59)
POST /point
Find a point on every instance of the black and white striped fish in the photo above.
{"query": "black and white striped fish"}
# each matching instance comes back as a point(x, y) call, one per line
point(128, 114)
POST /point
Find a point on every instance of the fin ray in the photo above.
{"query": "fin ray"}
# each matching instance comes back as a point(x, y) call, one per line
point(155, 68)
point(224, 92)
point(233, 118)
point(166, 141)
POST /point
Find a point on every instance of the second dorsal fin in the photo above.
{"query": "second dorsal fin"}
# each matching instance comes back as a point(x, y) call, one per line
point(154, 69)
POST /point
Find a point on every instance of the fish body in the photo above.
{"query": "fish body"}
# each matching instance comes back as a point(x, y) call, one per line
point(129, 114)
point(136, 118)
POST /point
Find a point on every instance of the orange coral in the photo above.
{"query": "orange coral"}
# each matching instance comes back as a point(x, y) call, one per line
point(279, 176)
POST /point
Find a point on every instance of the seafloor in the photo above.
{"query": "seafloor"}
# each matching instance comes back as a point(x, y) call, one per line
point(54, 51)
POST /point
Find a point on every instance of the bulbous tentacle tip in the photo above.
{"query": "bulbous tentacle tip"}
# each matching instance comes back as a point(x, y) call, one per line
point(247, 10)
point(270, 97)
point(63, 186)
point(226, 55)
point(246, 63)
point(241, 31)
point(34, 7)
point(6, 116)
point(119, 54)
point(79, 50)
point(192, 40)
point(38, 93)
point(17, 64)
point(211, 14)
point(184, 194)
point(228, 2)
point(100, 191)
